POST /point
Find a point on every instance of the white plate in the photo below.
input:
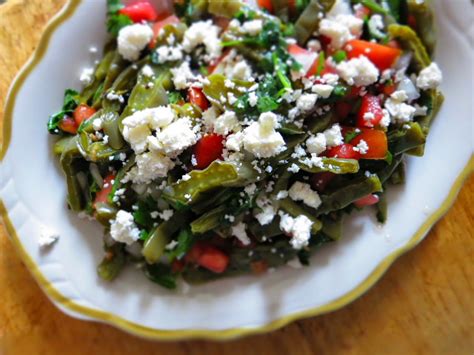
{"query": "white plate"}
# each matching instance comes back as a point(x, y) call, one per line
point(33, 192)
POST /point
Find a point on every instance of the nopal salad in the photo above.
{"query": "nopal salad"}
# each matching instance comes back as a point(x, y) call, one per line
point(217, 138)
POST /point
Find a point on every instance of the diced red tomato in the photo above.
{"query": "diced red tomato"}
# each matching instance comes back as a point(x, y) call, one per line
point(213, 259)
point(68, 124)
point(362, 12)
point(102, 195)
point(343, 109)
point(307, 59)
point(82, 113)
point(376, 141)
point(368, 200)
point(388, 89)
point(383, 57)
point(140, 11)
point(325, 41)
point(208, 149)
point(319, 181)
point(370, 112)
point(265, 4)
point(355, 92)
point(208, 256)
point(170, 20)
point(197, 97)
point(343, 151)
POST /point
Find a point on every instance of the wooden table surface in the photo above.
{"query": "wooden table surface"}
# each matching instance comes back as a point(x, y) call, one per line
point(423, 305)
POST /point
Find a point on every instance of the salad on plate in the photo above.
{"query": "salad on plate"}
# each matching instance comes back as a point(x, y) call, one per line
point(217, 138)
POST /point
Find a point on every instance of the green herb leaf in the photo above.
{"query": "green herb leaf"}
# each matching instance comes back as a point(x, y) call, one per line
point(161, 274)
point(114, 6)
point(116, 22)
point(185, 242)
point(175, 97)
point(71, 101)
point(339, 56)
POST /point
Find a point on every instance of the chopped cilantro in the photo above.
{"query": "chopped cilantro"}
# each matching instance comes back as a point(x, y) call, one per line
point(71, 101)
point(185, 242)
point(175, 97)
point(116, 22)
point(339, 56)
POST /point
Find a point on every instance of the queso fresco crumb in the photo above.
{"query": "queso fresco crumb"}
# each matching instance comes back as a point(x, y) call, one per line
point(225, 140)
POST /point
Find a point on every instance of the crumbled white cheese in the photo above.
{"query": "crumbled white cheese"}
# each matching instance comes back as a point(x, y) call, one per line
point(239, 232)
point(47, 237)
point(174, 138)
point(149, 166)
point(398, 109)
point(253, 27)
point(235, 141)
point(169, 54)
point(316, 144)
point(203, 32)
point(294, 168)
point(314, 45)
point(299, 228)
point(137, 127)
point(334, 136)
point(182, 76)
point(358, 71)
point(430, 77)
point(148, 71)
point(227, 123)
point(267, 211)
point(362, 147)
point(253, 99)
point(133, 39)
point(250, 189)
point(306, 102)
point(112, 96)
point(171, 245)
point(341, 29)
point(302, 192)
point(261, 138)
point(97, 124)
point(123, 228)
point(282, 195)
point(322, 90)
point(87, 76)
point(241, 71)
point(166, 215)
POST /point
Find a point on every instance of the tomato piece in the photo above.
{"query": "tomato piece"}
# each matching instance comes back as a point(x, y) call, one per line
point(197, 97)
point(307, 59)
point(370, 112)
point(389, 89)
point(103, 195)
point(208, 149)
point(343, 109)
point(265, 4)
point(68, 124)
point(383, 57)
point(82, 113)
point(343, 151)
point(170, 20)
point(194, 253)
point(319, 181)
point(376, 141)
point(368, 200)
point(140, 11)
point(213, 259)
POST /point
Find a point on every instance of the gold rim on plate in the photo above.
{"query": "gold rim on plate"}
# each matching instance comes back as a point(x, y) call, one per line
point(154, 333)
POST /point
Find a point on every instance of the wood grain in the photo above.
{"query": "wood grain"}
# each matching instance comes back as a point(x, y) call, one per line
point(423, 305)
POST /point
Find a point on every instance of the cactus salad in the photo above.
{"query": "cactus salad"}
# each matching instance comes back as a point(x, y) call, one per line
point(219, 137)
